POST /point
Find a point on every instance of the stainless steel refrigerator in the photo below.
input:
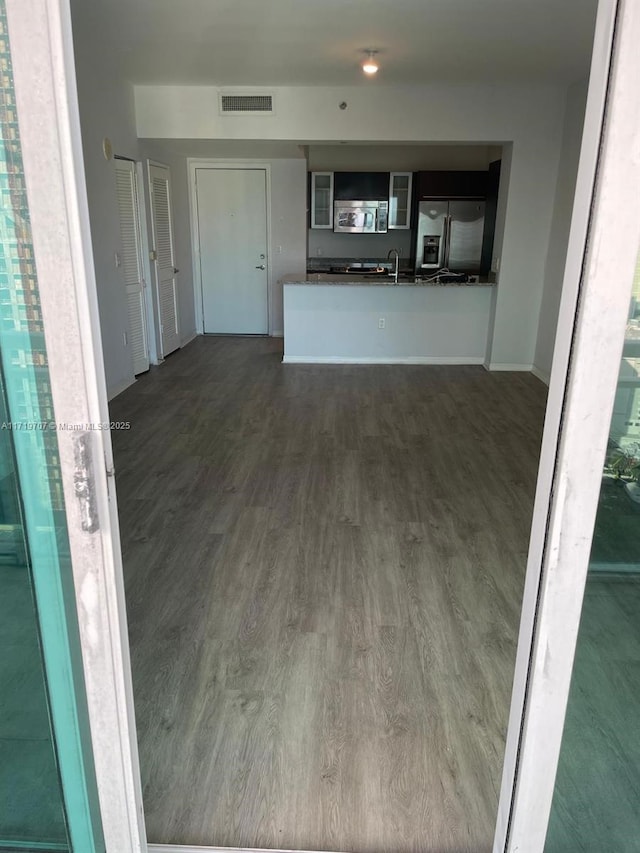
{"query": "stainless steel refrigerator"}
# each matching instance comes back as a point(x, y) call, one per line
point(449, 236)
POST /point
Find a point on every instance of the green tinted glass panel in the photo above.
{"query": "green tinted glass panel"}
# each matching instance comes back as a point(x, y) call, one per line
point(596, 804)
point(31, 804)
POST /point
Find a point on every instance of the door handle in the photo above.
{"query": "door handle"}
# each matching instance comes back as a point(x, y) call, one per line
point(261, 267)
point(445, 245)
point(175, 271)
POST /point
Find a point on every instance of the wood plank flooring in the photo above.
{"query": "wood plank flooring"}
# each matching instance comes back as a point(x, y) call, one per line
point(324, 567)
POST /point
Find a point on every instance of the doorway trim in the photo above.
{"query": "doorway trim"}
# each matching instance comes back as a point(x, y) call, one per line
point(194, 163)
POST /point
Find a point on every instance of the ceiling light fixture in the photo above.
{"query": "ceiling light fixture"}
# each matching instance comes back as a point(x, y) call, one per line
point(369, 65)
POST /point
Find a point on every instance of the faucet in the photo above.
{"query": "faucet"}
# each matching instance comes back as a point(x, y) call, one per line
point(397, 258)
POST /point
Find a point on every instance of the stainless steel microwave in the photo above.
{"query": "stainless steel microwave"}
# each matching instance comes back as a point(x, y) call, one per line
point(361, 217)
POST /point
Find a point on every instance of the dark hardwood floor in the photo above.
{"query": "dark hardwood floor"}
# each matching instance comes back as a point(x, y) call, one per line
point(324, 567)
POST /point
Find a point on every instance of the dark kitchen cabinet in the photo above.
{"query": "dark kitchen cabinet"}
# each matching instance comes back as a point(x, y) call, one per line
point(449, 184)
point(361, 186)
point(491, 209)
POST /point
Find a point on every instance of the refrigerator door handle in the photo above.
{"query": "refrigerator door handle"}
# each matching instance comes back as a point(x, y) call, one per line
point(447, 238)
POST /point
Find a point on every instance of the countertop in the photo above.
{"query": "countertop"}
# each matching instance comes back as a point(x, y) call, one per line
point(382, 281)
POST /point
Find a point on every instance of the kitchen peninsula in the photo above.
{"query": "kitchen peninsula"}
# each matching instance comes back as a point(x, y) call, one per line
point(345, 319)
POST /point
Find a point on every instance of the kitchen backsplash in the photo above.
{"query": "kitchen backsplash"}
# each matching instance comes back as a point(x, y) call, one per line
point(340, 265)
point(329, 244)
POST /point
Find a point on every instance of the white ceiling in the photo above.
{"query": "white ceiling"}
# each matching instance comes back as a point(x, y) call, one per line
point(321, 42)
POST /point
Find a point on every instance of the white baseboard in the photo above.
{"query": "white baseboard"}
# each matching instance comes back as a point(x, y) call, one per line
point(338, 359)
point(190, 337)
point(499, 365)
point(118, 389)
point(541, 375)
point(277, 333)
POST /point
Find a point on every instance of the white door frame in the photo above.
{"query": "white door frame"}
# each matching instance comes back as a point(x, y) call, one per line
point(44, 75)
point(589, 152)
point(192, 165)
point(41, 41)
point(598, 279)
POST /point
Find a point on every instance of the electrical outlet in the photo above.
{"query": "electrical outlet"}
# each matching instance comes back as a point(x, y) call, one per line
point(381, 323)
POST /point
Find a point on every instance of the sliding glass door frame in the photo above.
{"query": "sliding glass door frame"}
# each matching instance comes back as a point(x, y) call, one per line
point(45, 87)
point(603, 243)
point(601, 261)
point(48, 628)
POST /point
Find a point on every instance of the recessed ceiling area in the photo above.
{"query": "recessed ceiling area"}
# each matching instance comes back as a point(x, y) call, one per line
point(322, 42)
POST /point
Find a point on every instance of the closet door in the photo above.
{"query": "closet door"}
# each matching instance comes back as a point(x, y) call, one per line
point(131, 262)
point(163, 257)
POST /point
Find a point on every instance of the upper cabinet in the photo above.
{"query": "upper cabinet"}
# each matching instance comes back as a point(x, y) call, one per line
point(322, 200)
point(449, 184)
point(400, 200)
point(403, 191)
point(327, 187)
point(361, 186)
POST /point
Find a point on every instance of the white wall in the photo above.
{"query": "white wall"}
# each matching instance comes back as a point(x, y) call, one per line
point(106, 110)
point(288, 229)
point(530, 117)
point(565, 189)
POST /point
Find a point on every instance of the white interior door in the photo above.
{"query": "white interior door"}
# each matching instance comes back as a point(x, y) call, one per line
point(131, 259)
point(232, 236)
point(163, 256)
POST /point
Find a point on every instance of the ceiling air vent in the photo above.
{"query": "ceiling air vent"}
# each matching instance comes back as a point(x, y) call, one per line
point(243, 104)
